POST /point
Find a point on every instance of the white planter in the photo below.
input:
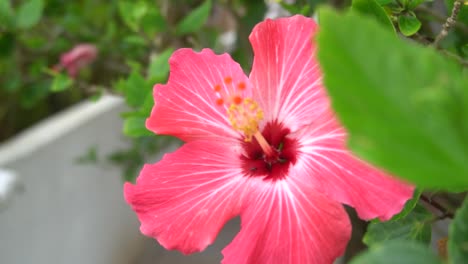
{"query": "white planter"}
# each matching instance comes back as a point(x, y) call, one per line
point(67, 212)
point(73, 213)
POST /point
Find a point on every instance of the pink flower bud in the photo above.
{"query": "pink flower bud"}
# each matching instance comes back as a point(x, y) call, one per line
point(78, 57)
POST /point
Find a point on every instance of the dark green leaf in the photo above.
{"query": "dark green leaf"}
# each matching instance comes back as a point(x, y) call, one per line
point(414, 226)
point(33, 93)
point(159, 66)
point(195, 20)
point(397, 252)
point(90, 157)
point(29, 13)
point(373, 9)
point(7, 43)
point(409, 205)
point(405, 106)
point(60, 83)
point(409, 24)
point(458, 236)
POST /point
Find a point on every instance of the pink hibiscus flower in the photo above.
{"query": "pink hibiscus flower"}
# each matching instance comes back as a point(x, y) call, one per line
point(266, 147)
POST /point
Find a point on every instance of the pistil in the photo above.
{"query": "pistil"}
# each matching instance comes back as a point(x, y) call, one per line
point(266, 147)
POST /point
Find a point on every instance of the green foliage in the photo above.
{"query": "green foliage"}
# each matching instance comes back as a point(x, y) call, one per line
point(408, 24)
point(142, 148)
point(458, 236)
point(134, 126)
point(6, 14)
point(373, 9)
point(159, 66)
point(409, 205)
point(90, 157)
point(29, 13)
point(405, 106)
point(414, 226)
point(195, 20)
point(401, 252)
point(135, 89)
point(61, 82)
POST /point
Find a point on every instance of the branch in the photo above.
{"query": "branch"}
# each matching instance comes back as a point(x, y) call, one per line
point(445, 212)
point(451, 20)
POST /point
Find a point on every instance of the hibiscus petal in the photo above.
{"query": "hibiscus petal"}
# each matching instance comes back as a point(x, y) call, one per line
point(184, 200)
point(335, 172)
point(285, 73)
point(289, 223)
point(186, 106)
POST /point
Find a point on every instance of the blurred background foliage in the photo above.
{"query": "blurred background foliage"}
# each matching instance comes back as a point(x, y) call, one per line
point(134, 40)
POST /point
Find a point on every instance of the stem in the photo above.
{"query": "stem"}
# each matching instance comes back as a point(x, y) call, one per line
point(438, 206)
point(440, 18)
point(451, 20)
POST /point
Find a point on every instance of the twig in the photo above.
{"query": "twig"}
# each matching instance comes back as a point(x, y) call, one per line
point(440, 18)
point(449, 22)
point(436, 205)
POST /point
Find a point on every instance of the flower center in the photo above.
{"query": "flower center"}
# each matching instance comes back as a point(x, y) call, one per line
point(258, 163)
point(244, 113)
point(266, 154)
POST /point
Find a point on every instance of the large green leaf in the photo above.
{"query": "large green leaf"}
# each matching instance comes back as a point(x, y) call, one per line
point(458, 236)
point(29, 13)
point(414, 226)
point(397, 252)
point(195, 20)
point(373, 9)
point(405, 106)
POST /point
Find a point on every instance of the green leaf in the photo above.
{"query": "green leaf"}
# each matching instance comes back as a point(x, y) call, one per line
point(458, 236)
point(409, 24)
point(195, 20)
point(132, 13)
point(373, 9)
point(159, 66)
point(134, 126)
point(135, 89)
point(401, 252)
point(153, 22)
point(409, 205)
point(412, 4)
point(405, 106)
point(29, 13)
point(60, 83)
point(384, 2)
point(7, 15)
point(414, 226)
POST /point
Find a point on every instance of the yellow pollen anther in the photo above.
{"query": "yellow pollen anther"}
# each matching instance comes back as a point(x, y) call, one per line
point(245, 117)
